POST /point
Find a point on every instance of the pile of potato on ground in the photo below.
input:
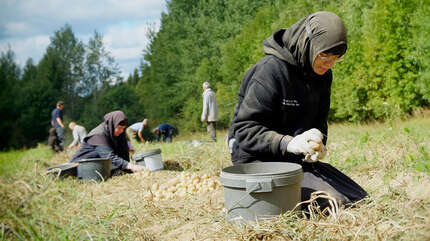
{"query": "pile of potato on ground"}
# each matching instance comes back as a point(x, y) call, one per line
point(186, 183)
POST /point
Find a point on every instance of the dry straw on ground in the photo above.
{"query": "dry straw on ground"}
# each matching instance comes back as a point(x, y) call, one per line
point(389, 160)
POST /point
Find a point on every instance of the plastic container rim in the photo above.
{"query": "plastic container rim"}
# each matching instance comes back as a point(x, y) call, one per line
point(63, 166)
point(93, 160)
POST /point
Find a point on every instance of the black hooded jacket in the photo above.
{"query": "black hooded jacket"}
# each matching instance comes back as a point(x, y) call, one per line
point(280, 96)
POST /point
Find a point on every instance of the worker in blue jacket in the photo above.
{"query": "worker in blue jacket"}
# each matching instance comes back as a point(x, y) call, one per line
point(166, 130)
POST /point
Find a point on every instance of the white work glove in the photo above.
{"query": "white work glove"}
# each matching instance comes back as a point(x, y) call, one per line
point(230, 144)
point(135, 168)
point(302, 144)
point(320, 152)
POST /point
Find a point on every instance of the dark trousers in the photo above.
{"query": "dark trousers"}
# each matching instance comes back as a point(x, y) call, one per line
point(212, 129)
point(61, 136)
point(167, 135)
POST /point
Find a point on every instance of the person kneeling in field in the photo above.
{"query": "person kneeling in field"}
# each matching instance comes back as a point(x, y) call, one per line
point(166, 130)
point(79, 134)
point(108, 140)
point(284, 102)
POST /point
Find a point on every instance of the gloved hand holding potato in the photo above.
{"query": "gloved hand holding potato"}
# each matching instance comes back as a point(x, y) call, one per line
point(309, 143)
point(135, 168)
point(320, 152)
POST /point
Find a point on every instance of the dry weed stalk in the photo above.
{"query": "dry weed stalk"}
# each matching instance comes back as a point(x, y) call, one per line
point(313, 207)
point(54, 170)
point(24, 184)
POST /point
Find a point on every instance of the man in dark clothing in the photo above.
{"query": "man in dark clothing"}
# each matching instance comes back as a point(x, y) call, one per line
point(166, 130)
point(284, 100)
point(54, 141)
point(57, 122)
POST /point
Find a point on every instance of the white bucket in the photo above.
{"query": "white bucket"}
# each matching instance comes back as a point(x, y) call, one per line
point(150, 159)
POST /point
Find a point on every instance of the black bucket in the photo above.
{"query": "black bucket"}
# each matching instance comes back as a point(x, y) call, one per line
point(63, 170)
point(97, 169)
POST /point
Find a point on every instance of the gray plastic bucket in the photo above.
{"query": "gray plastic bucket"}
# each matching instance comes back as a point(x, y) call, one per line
point(150, 159)
point(261, 190)
point(97, 169)
point(63, 170)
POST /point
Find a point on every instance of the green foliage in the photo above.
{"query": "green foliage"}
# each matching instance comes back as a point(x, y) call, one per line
point(133, 79)
point(69, 71)
point(420, 29)
point(186, 52)
point(192, 111)
point(385, 74)
point(422, 163)
point(100, 67)
point(37, 99)
point(379, 79)
point(65, 59)
point(9, 76)
point(240, 53)
point(118, 97)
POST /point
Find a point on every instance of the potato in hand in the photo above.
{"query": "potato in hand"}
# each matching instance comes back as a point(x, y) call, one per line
point(316, 146)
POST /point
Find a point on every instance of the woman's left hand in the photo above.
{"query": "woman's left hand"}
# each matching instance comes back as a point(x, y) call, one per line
point(319, 155)
point(135, 168)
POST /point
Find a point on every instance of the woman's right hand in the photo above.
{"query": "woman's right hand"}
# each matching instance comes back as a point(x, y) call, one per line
point(135, 168)
point(306, 143)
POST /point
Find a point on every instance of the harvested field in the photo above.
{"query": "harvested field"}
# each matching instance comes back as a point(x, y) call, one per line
point(390, 160)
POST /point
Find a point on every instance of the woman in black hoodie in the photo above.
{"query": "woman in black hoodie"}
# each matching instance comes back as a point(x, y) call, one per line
point(108, 140)
point(283, 105)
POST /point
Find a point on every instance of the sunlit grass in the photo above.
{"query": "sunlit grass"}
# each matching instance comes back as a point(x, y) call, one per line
point(16, 161)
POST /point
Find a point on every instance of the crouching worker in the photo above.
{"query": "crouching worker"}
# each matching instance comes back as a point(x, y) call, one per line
point(166, 130)
point(79, 134)
point(108, 140)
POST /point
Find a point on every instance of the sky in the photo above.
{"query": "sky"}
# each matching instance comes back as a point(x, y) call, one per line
point(27, 25)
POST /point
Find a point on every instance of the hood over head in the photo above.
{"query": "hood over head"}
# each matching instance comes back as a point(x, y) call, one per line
point(301, 43)
point(114, 119)
point(103, 134)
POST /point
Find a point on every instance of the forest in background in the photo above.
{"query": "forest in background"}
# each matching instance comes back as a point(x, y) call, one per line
point(386, 72)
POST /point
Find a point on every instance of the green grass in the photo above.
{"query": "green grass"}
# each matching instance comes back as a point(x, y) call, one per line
point(390, 160)
point(16, 161)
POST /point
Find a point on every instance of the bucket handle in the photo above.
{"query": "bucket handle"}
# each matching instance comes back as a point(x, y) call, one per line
point(259, 185)
point(253, 186)
point(100, 175)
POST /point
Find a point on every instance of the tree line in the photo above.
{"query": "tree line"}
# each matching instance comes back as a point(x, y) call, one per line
point(84, 75)
point(386, 71)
